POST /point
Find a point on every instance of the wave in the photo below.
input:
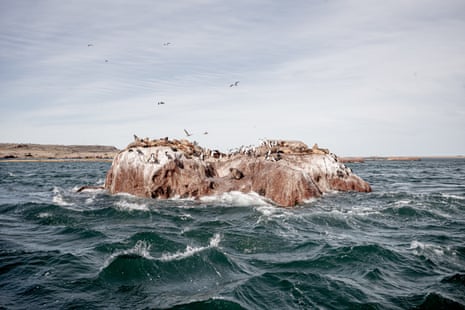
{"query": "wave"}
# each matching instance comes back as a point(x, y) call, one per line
point(58, 198)
point(211, 303)
point(236, 198)
point(142, 249)
point(189, 251)
point(421, 248)
point(124, 205)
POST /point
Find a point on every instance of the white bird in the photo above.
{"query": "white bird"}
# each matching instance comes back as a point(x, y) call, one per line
point(187, 133)
point(152, 159)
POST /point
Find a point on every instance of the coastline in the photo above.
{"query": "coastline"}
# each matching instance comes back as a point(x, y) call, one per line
point(26, 152)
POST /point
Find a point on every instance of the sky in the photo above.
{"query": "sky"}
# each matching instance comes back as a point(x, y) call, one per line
point(362, 77)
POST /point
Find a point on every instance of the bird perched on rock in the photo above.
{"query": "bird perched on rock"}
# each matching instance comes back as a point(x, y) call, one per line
point(152, 159)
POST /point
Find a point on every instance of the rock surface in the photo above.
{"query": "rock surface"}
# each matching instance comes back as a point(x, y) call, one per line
point(286, 172)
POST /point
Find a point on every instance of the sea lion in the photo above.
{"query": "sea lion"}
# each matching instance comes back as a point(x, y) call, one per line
point(236, 173)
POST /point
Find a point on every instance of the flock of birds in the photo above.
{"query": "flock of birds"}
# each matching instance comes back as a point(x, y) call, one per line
point(188, 134)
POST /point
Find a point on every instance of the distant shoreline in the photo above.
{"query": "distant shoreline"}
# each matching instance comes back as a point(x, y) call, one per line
point(27, 152)
point(361, 159)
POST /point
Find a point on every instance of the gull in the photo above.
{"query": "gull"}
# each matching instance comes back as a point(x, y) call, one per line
point(234, 84)
point(166, 43)
point(161, 102)
point(106, 60)
point(187, 133)
point(205, 133)
point(89, 45)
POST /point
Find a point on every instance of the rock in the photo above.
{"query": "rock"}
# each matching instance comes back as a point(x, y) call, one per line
point(286, 172)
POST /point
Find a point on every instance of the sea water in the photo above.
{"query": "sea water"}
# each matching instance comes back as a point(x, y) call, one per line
point(400, 247)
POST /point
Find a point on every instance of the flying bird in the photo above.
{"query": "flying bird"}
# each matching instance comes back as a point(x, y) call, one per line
point(166, 43)
point(89, 45)
point(205, 133)
point(234, 84)
point(187, 133)
point(106, 60)
point(160, 102)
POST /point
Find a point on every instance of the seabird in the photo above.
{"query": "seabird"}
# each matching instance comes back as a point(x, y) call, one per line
point(136, 138)
point(106, 60)
point(152, 159)
point(187, 133)
point(166, 43)
point(205, 133)
point(234, 84)
point(168, 155)
point(89, 45)
point(161, 102)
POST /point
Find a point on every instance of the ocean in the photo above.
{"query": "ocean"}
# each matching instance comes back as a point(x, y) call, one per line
point(400, 247)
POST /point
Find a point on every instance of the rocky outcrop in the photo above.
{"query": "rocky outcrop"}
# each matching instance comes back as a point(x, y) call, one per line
point(285, 172)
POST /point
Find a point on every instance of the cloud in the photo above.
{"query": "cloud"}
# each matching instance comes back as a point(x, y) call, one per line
point(356, 76)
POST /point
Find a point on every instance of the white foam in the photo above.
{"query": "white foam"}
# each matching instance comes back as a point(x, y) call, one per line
point(124, 205)
point(421, 248)
point(58, 198)
point(236, 198)
point(189, 251)
point(141, 248)
point(11, 174)
point(271, 212)
point(43, 215)
point(452, 196)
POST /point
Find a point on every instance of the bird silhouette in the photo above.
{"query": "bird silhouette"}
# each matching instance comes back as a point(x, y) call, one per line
point(166, 43)
point(187, 133)
point(89, 45)
point(160, 102)
point(234, 84)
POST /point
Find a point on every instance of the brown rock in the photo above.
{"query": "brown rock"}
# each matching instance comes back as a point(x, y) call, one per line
point(285, 172)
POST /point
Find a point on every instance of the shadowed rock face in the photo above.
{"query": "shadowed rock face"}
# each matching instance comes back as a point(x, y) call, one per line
point(285, 172)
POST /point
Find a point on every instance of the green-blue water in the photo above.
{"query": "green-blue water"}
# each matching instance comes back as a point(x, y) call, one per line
point(400, 247)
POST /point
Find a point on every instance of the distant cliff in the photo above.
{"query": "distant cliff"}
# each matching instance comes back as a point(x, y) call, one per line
point(285, 172)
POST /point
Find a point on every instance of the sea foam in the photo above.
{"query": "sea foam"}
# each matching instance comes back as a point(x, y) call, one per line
point(189, 251)
point(236, 198)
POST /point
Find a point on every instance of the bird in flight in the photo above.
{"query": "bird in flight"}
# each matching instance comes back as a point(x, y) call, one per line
point(205, 133)
point(187, 133)
point(166, 43)
point(89, 45)
point(160, 102)
point(106, 60)
point(234, 84)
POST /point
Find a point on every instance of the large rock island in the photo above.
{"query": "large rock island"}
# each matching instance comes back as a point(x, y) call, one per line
point(286, 172)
